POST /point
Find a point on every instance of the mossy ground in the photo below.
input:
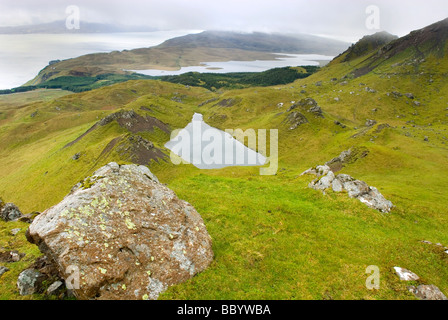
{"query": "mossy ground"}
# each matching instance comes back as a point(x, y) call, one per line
point(273, 238)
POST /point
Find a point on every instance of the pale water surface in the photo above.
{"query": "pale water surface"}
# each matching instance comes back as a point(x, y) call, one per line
point(245, 66)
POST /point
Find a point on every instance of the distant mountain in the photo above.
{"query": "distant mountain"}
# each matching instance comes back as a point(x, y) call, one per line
point(192, 50)
point(257, 41)
point(58, 27)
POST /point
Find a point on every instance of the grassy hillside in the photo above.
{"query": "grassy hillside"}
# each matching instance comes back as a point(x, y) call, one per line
point(273, 237)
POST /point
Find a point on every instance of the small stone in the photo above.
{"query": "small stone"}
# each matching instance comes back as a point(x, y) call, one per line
point(55, 288)
point(29, 282)
point(428, 292)
point(10, 212)
point(3, 270)
point(406, 275)
point(370, 123)
point(15, 231)
point(76, 156)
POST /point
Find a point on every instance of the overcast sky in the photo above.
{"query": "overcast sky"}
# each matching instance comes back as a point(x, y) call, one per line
point(345, 19)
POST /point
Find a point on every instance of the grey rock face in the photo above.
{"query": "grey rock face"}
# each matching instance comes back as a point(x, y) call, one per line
point(428, 292)
point(374, 199)
point(356, 188)
point(296, 119)
point(10, 212)
point(29, 282)
point(3, 270)
point(370, 123)
point(323, 183)
point(129, 236)
point(406, 275)
point(55, 288)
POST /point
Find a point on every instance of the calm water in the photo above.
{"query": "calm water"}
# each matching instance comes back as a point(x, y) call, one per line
point(246, 66)
point(23, 56)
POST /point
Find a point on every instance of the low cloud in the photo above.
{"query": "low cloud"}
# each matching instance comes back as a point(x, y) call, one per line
point(334, 18)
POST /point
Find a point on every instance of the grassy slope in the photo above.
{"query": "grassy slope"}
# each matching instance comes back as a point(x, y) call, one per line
point(273, 237)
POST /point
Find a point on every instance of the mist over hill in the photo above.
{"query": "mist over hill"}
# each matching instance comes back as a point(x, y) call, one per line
point(59, 26)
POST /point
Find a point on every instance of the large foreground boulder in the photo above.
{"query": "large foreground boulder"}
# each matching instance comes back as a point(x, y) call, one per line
point(125, 234)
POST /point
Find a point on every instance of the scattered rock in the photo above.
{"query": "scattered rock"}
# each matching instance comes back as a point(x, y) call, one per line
point(427, 292)
point(426, 138)
point(55, 288)
point(318, 84)
point(76, 156)
point(417, 103)
point(343, 126)
point(11, 256)
point(409, 95)
point(10, 212)
point(406, 275)
point(370, 90)
point(396, 94)
point(34, 114)
point(129, 236)
point(3, 270)
point(370, 123)
point(29, 282)
point(14, 232)
point(28, 218)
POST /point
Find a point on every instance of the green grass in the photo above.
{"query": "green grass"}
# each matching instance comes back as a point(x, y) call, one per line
point(273, 238)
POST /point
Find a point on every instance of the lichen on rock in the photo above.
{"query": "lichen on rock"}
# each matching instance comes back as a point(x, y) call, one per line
point(126, 230)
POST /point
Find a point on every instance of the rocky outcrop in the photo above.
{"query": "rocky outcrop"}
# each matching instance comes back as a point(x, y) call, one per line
point(126, 235)
point(360, 190)
point(296, 119)
point(130, 121)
